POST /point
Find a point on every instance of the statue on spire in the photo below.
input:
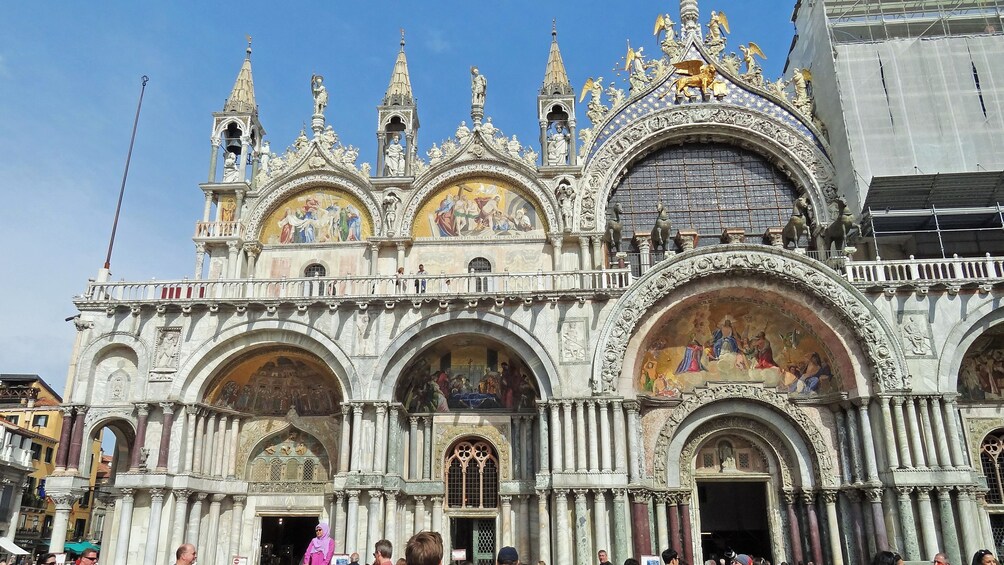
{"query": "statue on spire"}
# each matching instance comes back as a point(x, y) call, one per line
point(715, 41)
point(320, 94)
point(479, 87)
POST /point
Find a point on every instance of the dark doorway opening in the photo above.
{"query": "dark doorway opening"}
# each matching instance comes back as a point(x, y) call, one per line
point(284, 539)
point(734, 516)
point(476, 536)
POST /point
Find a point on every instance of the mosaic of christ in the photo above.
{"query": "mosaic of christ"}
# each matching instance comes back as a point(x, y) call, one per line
point(734, 341)
point(479, 207)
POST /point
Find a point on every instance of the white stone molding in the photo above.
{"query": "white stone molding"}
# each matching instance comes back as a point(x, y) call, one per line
point(871, 329)
point(787, 148)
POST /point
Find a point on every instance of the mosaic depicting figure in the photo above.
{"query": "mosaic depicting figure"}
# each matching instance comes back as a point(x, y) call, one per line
point(318, 216)
point(738, 341)
point(478, 208)
point(470, 376)
point(272, 384)
point(981, 374)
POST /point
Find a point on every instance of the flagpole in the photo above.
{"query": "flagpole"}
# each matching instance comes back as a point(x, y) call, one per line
point(125, 175)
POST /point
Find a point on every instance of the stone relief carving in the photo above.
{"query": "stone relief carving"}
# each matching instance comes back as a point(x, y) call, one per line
point(916, 335)
point(825, 473)
point(445, 435)
point(118, 384)
point(167, 353)
point(797, 271)
point(743, 427)
point(573, 341)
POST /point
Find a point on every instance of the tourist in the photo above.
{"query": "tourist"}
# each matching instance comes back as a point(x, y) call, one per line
point(354, 558)
point(631, 561)
point(507, 556)
point(89, 557)
point(185, 555)
point(321, 548)
point(424, 548)
point(420, 280)
point(984, 557)
point(940, 559)
point(49, 559)
point(382, 552)
point(887, 558)
point(671, 557)
point(602, 555)
point(401, 561)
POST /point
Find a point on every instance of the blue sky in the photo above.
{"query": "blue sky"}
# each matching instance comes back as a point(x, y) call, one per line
point(70, 79)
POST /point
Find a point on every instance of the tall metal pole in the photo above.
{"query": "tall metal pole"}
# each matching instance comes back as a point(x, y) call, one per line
point(125, 175)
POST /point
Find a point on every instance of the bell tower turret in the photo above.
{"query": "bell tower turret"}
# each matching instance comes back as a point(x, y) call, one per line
point(556, 111)
point(397, 123)
point(237, 131)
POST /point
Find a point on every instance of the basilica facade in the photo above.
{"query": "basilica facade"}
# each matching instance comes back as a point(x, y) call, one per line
point(676, 327)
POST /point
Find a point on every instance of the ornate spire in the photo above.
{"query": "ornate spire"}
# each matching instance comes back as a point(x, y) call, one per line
point(399, 90)
point(555, 77)
point(690, 18)
point(242, 96)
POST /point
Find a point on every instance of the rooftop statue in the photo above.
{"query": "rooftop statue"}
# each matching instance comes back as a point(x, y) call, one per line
point(753, 74)
point(394, 156)
point(320, 94)
point(479, 87)
point(612, 233)
point(715, 41)
point(634, 62)
point(801, 78)
point(595, 110)
point(670, 46)
point(697, 74)
point(557, 146)
point(661, 229)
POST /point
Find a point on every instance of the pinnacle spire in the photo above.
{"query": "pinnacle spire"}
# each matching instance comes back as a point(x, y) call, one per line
point(242, 96)
point(555, 77)
point(399, 89)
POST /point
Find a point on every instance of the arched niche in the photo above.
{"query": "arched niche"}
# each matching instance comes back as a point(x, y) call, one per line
point(981, 372)
point(738, 333)
point(273, 380)
point(467, 373)
point(120, 423)
point(288, 456)
point(479, 207)
point(114, 374)
point(317, 215)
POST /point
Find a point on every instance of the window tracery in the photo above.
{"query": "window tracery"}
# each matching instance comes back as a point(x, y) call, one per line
point(472, 476)
point(991, 462)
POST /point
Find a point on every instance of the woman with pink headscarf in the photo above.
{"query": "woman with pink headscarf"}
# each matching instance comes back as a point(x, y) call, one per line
point(321, 548)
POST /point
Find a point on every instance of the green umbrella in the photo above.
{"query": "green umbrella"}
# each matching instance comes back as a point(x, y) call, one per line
point(80, 546)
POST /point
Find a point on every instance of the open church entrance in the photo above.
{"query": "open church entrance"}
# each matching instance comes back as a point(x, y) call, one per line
point(476, 536)
point(734, 516)
point(285, 538)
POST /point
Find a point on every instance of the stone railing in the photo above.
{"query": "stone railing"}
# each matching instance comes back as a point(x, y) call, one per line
point(409, 287)
point(925, 272)
point(10, 455)
point(219, 229)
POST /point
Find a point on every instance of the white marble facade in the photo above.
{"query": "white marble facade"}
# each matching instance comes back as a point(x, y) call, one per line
point(587, 457)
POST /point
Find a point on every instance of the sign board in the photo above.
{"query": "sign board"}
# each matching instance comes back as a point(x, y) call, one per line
point(60, 559)
point(240, 560)
point(458, 555)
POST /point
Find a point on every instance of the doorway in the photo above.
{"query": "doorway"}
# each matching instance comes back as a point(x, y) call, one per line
point(476, 536)
point(734, 516)
point(284, 538)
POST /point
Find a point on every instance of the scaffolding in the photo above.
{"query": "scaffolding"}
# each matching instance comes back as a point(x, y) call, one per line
point(944, 225)
point(853, 21)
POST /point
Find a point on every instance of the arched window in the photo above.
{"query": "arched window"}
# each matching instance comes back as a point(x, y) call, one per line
point(315, 270)
point(472, 476)
point(990, 458)
point(480, 265)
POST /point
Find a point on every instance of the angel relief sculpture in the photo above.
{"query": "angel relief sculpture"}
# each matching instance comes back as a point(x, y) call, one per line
point(595, 110)
point(715, 41)
point(753, 73)
point(700, 75)
point(670, 46)
point(634, 63)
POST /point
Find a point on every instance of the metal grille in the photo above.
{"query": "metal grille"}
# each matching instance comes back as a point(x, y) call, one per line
point(472, 477)
point(479, 265)
point(315, 270)
point(308, 470)
point(705, 187)
point(484, 552)
point(990, 452)
point(259, 470)
point(997, 530)
point(275, 471)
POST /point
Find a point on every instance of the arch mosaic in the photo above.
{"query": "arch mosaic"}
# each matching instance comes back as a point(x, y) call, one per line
point(535, 191)
point(884, 356)
point(956, 346)
point(764, 438)
point(824, 470)
point(447, 435)
point(481, 207)
point(270, 202)
point(319, 215)
point(790, 150)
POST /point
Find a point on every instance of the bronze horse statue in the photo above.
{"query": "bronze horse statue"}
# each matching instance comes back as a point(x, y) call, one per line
point(612, 233)
point(660, 232)
point(798, 224)
point(838, 232)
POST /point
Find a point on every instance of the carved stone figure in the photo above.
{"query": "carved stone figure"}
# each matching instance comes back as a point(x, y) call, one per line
point(320, 94)
point(661, 229)
point(566, 201)
point(557, 146)
point(801, 79)
point(638, 69)
point(726, 456)
point(264, 156)
point(616, 95)
point(230, 171)
point(915, 337)
point(394, 156)
point(435, 154)
point(513, 147)
point(798, 224)
point(777, 88)
point(390, 205)
point(670, 46)
point(350, 155)
point(479, 87)
point(595, 110)
point(167, 352)
point(573, 347)
point(612, 233)
point(329, 137)
point(463, 132)
point(715, 41)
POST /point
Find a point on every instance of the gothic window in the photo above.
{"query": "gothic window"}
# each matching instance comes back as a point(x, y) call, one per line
point(292, 458)
point(472, 475)
point(275, 471)
point(990, 458)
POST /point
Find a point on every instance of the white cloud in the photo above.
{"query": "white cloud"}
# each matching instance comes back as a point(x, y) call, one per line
point(436, 42)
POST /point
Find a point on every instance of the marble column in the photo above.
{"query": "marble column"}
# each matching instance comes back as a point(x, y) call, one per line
point(236, 526)
point(892, 456)
point(583, 547)
point(867, 441)
point(235, 434)
point(989, 539)
point(969, 521)
point(413, 456)
point(340, 520)
point(343, 455)
point(356, 463)
point(563, 549)
point(916, 443)
point(107, 531)
point(605, 448)
point(63, 449)
point(427, 438)
point(352, 523)
point(544, 456)
point(795, 536)
point(594, 450)
point(544, 528)
point(200, 440)
point(125, 527)
point(902, 439)
point(222, 447)
point(180, 518)
point(843, 447)
point(380, 453)
point(209, 445)
point(641, 538)
point(601, 527)
point(620, 439)
point(195, 519)
point(952, 430)
point(505, 519)
point(525, 431)
point(555, 256)
point(673, 500)
point(927, 526)
point(924, 407)
point(661, 522)
point(585, 262)
point(215, 502)
point(949, 532)
point(622, 541)
point(420, 513)
point(390, 521)
point(566, 416)
point(581, 462)
point(634, 455)
point(809, 500)
point(76, 438)
point(687, 527)
point(165, 435)
point(525, 524)
point(597, 252)
point(189, 437)
point(940, 434)
point(836, 549)
point(437, 514)
point(153, 529)
point(374, 531)
point(64, 504)
point(911, 547)
point(874, 497)
point(395, 447)
point(853, 445)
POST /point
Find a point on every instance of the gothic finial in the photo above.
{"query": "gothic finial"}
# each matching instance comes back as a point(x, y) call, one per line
point(689, 17)
point(249, 46)
point(554, 28)
point(402, 38)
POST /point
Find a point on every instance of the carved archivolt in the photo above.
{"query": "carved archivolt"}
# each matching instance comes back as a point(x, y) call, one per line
point(264, 206)
point(764, 438)
point(884, 355)
point(794, 153)
point(446, 435)
point(978, 430)
point(825, 473)
point(481, 168)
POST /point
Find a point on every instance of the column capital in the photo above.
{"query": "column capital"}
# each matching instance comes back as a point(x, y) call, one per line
point(580, 493)
point(632, 406)
point(413, 420)
point(353, 495)
point(81, 409)
point(182, 494)
point(944, 492)
point(240, 499)
point(381, 409)
point(966, 491)
point(142, 409)
point(541, 493)
point(357, 408)
point(420, 498)
point(579, 402)
point(566, 404)
point(923, 493)
point(167, 407)
point(873, 494)
point(829, 495)
point(642, 496)
point(620, 494)
point(127, 493)
point(375, 494)
point(157, 494)
point(392, 495)
point(506, 499)
point(603, 402)
point(64, 501)
point(673, 498)
point(345, 409)
point(808, 497)
point(340, 496)
point(904, 492)
point(67, 411)
point(661, 497)
point(561, 491)
point(200, 496)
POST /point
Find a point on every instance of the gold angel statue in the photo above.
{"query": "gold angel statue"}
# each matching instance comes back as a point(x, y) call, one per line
point(718, 23)
point(595, 110)
point(749, 52)
point(670, 46)
point(594, 87)
point(634, 63)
